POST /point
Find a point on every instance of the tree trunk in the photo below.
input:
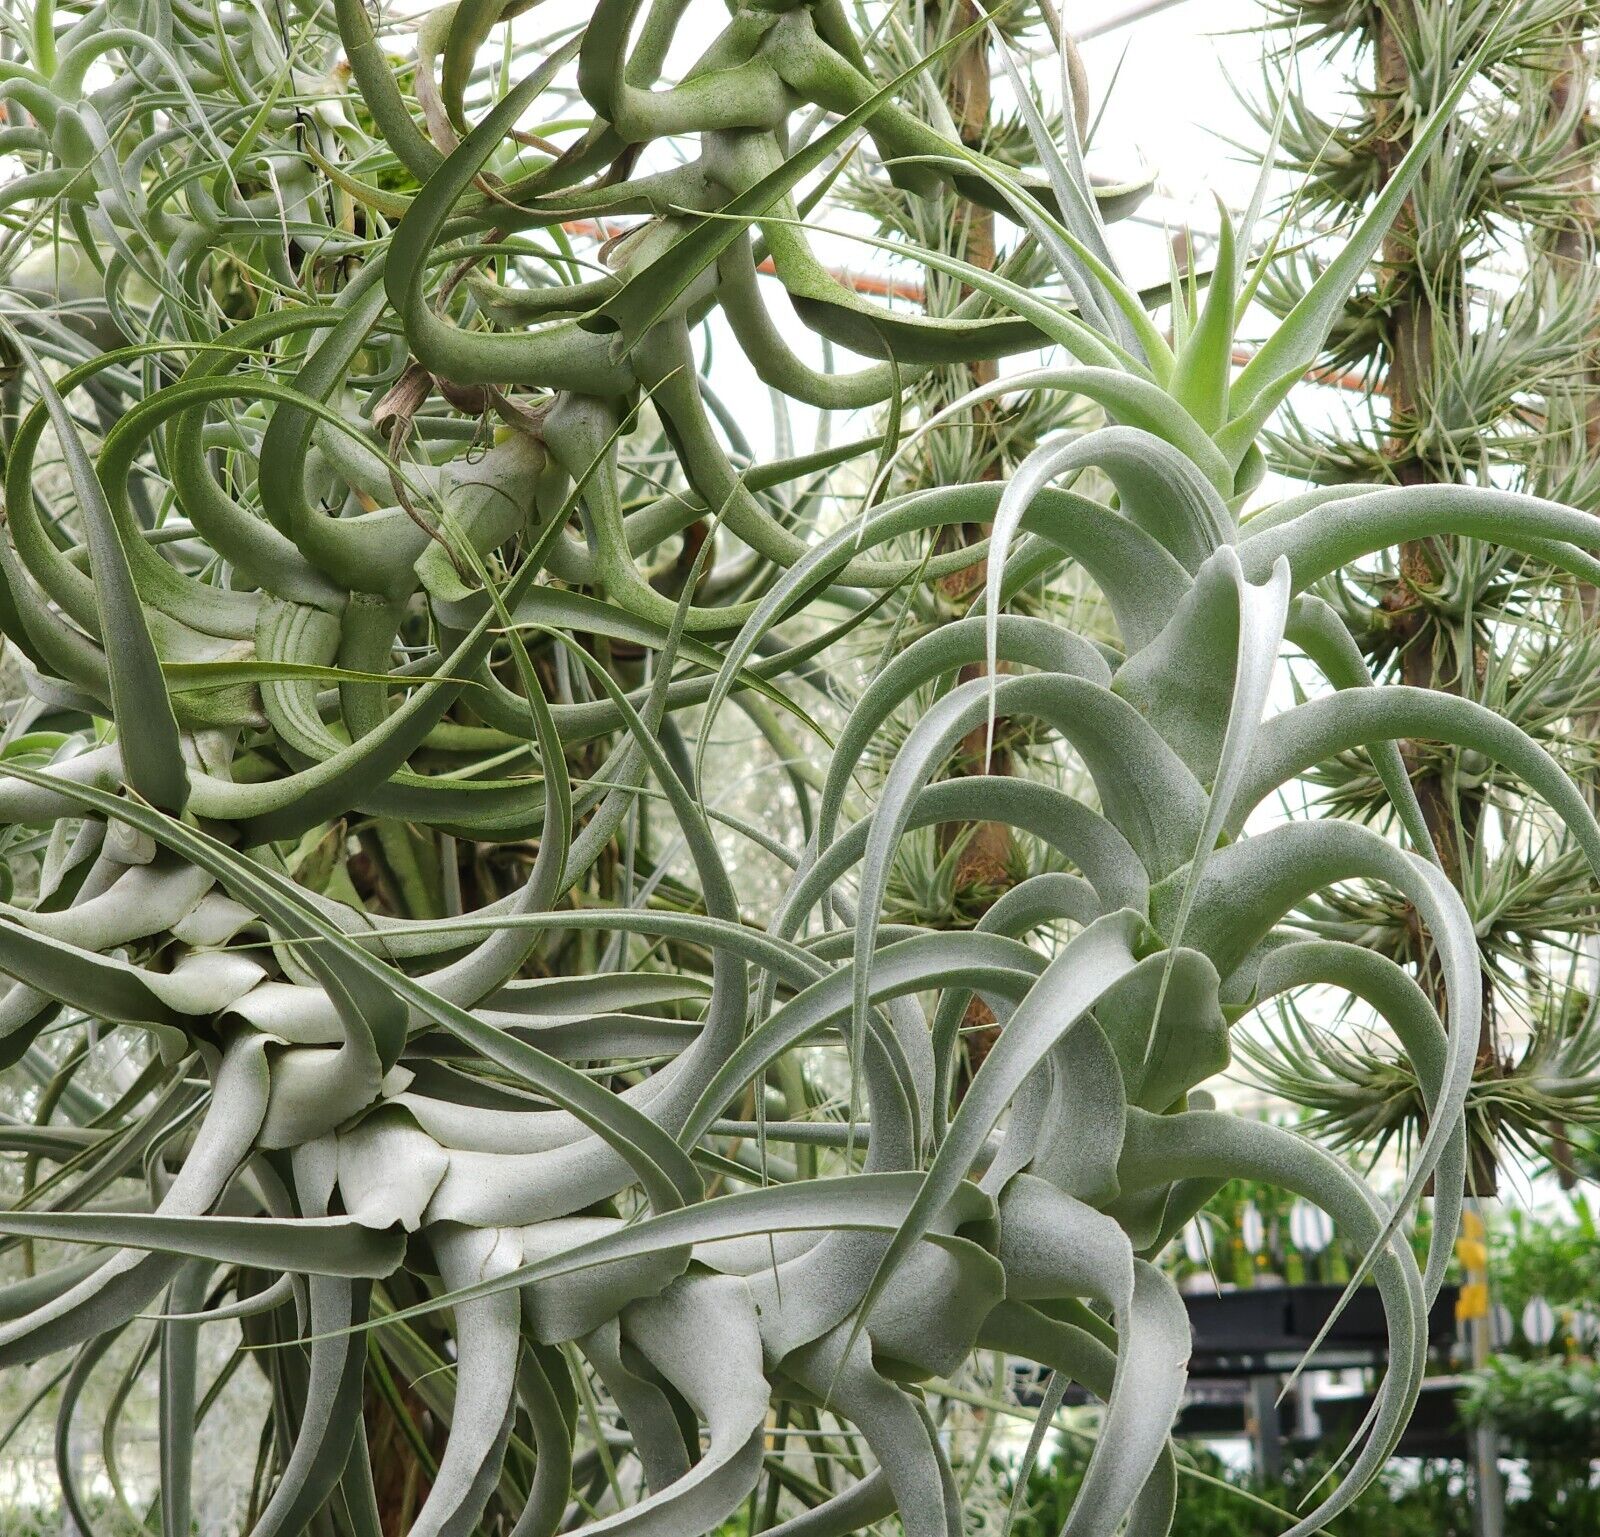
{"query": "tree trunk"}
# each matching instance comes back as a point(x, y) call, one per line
point(1572, 254)
point(984, 861)
point(1433, 651)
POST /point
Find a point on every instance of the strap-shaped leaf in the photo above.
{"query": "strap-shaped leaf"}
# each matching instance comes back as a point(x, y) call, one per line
point(151, 753)
point(337, 1246)
point(1068, 988)
point(1199, 1143)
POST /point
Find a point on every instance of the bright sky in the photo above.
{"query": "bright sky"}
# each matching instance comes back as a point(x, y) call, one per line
point(1160, 86)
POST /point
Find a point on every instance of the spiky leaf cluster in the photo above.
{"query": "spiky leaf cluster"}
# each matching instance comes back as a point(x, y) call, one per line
point(1467, 354)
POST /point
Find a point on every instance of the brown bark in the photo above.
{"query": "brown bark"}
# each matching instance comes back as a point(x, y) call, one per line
point(1572, 251)
point(1433, 652)
point(399, 1481)
point(984, 861)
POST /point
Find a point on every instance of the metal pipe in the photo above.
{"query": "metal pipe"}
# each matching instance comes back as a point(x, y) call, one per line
point(1124, 18)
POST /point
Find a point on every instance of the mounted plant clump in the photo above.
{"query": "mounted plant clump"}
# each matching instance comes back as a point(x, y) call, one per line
point(397, 570)
point(1473, 332)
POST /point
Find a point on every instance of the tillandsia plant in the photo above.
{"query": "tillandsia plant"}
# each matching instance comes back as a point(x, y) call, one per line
point(1464, 353)
point(285, 583)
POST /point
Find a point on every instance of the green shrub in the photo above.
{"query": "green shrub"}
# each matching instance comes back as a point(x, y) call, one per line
point(1547, 1409)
